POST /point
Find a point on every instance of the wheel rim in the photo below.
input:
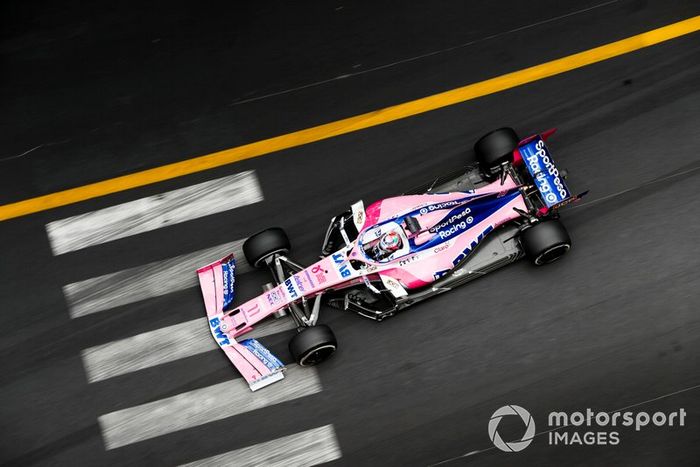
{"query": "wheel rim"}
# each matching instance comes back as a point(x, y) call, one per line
point(552, 254)
point(317, 355)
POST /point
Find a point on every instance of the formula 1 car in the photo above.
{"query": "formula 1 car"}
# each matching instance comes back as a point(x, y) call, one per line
point(396, 252)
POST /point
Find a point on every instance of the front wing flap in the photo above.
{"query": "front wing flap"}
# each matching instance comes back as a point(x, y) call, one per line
point(256, 363)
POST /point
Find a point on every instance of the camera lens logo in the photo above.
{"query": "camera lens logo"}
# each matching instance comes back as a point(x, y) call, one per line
point(513, 446)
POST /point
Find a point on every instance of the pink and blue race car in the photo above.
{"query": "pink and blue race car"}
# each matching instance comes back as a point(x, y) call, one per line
point(396, 252)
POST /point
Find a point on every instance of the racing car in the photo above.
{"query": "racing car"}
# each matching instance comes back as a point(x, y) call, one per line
point(396, 252)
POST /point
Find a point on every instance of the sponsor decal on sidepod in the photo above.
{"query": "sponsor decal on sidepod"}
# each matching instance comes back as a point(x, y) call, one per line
point(458, 259)
point(451, 221)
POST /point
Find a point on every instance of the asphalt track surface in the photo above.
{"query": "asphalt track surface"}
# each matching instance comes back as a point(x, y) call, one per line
point(94, 92)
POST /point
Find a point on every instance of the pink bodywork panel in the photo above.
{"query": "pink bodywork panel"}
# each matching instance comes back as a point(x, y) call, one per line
point(318, 277)
point(336, 272)
point(227, 326)
point(417, 270)
point(255, 372)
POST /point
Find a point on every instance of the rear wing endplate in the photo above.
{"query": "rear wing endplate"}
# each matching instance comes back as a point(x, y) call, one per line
point(544, 172)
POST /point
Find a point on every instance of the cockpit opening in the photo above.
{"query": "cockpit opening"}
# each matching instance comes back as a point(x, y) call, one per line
point(385, 242)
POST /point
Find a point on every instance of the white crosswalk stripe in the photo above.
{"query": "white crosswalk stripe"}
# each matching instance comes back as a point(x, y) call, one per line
point(153, 212)
point(307, 448)
point(147, 281)
point(171, 343)
point(160, 346)
point(201, 406)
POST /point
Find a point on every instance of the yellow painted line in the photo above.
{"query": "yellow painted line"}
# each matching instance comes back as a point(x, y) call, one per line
point(348, 125)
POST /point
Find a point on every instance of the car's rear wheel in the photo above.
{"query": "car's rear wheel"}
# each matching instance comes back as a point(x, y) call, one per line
point(264, 244)
point(545, 242)
point(313, 345)
point(495, 148)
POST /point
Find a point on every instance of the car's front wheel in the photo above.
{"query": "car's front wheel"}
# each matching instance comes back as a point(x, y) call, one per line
point(264, 244)
point(313, 345)
point(545, 242)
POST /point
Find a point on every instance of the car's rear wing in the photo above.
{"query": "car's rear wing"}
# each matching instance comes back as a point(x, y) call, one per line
point(256, 363)
point(545, 174)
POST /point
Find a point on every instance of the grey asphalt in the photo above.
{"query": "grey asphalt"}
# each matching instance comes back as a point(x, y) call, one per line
point(102, 90)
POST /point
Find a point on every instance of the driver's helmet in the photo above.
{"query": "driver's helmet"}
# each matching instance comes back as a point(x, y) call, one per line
point(390, 242)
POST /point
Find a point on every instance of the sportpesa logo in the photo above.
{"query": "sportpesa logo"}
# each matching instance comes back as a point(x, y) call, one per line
point(513, 446)
point(443, 205)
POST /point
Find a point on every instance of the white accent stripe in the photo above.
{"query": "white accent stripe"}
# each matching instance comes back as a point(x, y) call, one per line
point(163, 345)
point(147, 281)
point(311, 447)
point(154, 212)
point(202, 406)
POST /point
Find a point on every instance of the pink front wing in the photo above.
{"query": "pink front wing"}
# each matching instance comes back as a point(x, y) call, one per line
point(253, 367)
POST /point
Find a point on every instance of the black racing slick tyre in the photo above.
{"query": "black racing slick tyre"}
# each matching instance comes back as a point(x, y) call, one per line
point(313, 345)
point(495, 148)
point(545, 241)
point(264, 244)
